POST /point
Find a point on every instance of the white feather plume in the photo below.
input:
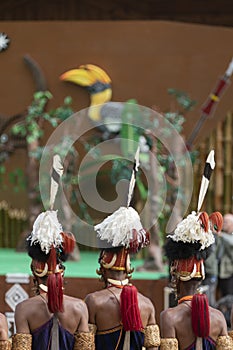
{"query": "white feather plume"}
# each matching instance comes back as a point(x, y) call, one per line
point(189, 230)
point(117, 228)
point(47, 231)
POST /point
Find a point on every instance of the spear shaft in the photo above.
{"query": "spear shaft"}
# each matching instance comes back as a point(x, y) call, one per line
point(211, 103)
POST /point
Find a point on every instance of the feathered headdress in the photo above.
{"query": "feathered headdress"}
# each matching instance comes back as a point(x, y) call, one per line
point(124, 231)
point(193, 236)
point(48, 245)
point(123, 227)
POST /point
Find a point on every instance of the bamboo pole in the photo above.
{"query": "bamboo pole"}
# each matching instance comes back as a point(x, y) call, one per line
point(12, 223)
point(1, 227)
point(199, 168)
point(219, 169)
point(228, 164)
point(14, 227)
point(6, 229)
point(4, 222)
point(211, 144)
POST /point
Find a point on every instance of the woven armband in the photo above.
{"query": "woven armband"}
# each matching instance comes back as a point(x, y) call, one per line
point(92, 328)
point(5, 345)
point(230, 333)
point(224, 342)
point(169, 344)
point(84, 341)
point(21, 341)
point(152, 336)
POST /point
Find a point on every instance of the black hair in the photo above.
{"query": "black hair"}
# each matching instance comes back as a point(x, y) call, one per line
point(180, 250)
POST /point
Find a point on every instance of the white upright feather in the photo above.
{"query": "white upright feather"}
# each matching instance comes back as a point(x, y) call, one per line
point(133, 176)
point(58, 168)
point(205, 181)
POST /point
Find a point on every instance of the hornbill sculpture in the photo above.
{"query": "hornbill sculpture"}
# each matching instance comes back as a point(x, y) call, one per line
point(105, 115)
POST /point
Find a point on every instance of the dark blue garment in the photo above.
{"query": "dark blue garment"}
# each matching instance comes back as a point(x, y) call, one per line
point(41, 337)
point(207, 344)
point(111, 338)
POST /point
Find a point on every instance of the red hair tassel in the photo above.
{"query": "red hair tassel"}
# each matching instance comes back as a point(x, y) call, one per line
point(200, 315)
point(55, 292)
point(68, 242)
point(52, 261)
point(134, 244)
point(204, 219)
point(216, 220)
point(130, 313)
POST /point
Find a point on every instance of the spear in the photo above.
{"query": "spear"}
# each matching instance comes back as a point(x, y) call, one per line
point(211, 102)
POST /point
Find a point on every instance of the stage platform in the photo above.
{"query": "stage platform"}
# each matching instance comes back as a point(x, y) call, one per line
point(80, 279)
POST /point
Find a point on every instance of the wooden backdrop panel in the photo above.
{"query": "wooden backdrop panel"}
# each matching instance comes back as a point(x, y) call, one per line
point(143, 58)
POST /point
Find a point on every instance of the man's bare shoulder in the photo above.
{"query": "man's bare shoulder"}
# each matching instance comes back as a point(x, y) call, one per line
point(172, 315)
point(73, 299)
point(2, 317)
point(26, 304)
point(145, 301)
point(168, 318)
point(75, 303)
point(3, 327)
point(217, 315)
point(3, 321)
point(95, 297)
point(167, 313)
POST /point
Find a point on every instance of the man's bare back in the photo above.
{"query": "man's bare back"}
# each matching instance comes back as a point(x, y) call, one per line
point(176, 323)
point(104, 309)
point(33, 313)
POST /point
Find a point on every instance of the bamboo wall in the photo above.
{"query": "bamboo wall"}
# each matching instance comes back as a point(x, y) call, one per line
point(220, 192)
point(12, 224)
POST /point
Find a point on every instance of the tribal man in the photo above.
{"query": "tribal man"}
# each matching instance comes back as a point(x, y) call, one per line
point(122, 317)
point(192, 324)
point(50, 320)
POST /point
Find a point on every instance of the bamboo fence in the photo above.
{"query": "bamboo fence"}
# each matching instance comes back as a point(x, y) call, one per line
point(220, 191)
point(12, 224)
